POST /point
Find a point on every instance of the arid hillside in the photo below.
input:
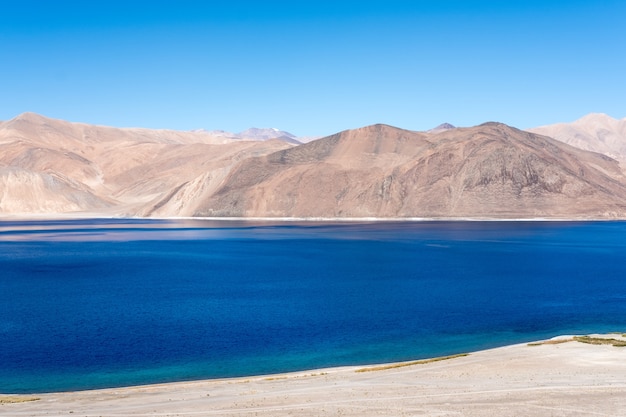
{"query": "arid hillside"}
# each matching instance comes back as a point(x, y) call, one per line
point(594, 132)
point(50, 167)
point(491, 170)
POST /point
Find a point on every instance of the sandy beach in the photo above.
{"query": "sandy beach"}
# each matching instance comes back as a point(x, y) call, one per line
point(560, 377)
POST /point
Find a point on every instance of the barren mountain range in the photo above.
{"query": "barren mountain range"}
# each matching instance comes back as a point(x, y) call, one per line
point(50, 167)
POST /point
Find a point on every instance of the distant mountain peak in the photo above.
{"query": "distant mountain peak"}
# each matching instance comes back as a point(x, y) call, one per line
point(441, 128)
point(598, 115)
point(257, 133)
point(30, 117)
point(597, 118)
point(596, 132)
point(378, 127)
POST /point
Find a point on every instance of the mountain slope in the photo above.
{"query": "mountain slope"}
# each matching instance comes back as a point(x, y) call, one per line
point(50, 166)
point(255, 134)
point(53, 166)
point(491, 170)
point(28, 192)
point(594, 132)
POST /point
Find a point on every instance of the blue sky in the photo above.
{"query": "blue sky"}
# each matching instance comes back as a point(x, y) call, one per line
point(312, 67)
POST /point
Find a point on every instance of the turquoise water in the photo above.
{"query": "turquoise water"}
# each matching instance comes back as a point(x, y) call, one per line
point(102, 303)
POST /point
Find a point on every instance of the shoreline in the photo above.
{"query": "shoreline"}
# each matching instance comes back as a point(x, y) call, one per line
point(563, 375)
point(101, 216)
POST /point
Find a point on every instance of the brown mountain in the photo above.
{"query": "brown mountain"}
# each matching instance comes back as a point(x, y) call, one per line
point(491, 170)
point(50, 166)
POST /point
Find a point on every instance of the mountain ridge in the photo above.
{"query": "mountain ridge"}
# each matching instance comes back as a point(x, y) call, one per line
point(487, 170)
point(595, 132)
point(491, 170)
point(119, 171)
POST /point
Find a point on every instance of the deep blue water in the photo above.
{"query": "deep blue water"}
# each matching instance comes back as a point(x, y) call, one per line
point(99, 303)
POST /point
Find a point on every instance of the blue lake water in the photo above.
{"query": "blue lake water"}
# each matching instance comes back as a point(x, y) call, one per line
point(102, 303)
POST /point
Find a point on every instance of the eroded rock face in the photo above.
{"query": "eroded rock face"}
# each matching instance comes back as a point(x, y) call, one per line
point(491, 170)
point(52, 166)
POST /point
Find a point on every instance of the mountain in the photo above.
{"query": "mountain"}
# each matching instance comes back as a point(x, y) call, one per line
point(595, 132)
point(266, 133)
point(255, 133)
point(491, 171)
point(37, 127)
point(218, 133)
point(441, 128)
point(54, 166)
point(50, 166)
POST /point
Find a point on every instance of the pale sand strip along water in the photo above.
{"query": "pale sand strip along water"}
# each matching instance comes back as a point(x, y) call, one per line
point(554, 379)
point(107, 216)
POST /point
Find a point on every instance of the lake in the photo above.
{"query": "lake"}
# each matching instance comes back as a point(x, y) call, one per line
point(103, 303)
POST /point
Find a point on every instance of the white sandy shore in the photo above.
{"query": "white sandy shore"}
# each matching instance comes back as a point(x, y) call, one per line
point(565, 379)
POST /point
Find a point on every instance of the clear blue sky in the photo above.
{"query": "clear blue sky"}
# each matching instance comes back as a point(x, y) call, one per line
point(312, 67)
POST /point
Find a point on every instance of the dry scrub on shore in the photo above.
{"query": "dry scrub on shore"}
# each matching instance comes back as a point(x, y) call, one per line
point(403, 364)
point(16, 399)
point(584, 339)
point(600, 341)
